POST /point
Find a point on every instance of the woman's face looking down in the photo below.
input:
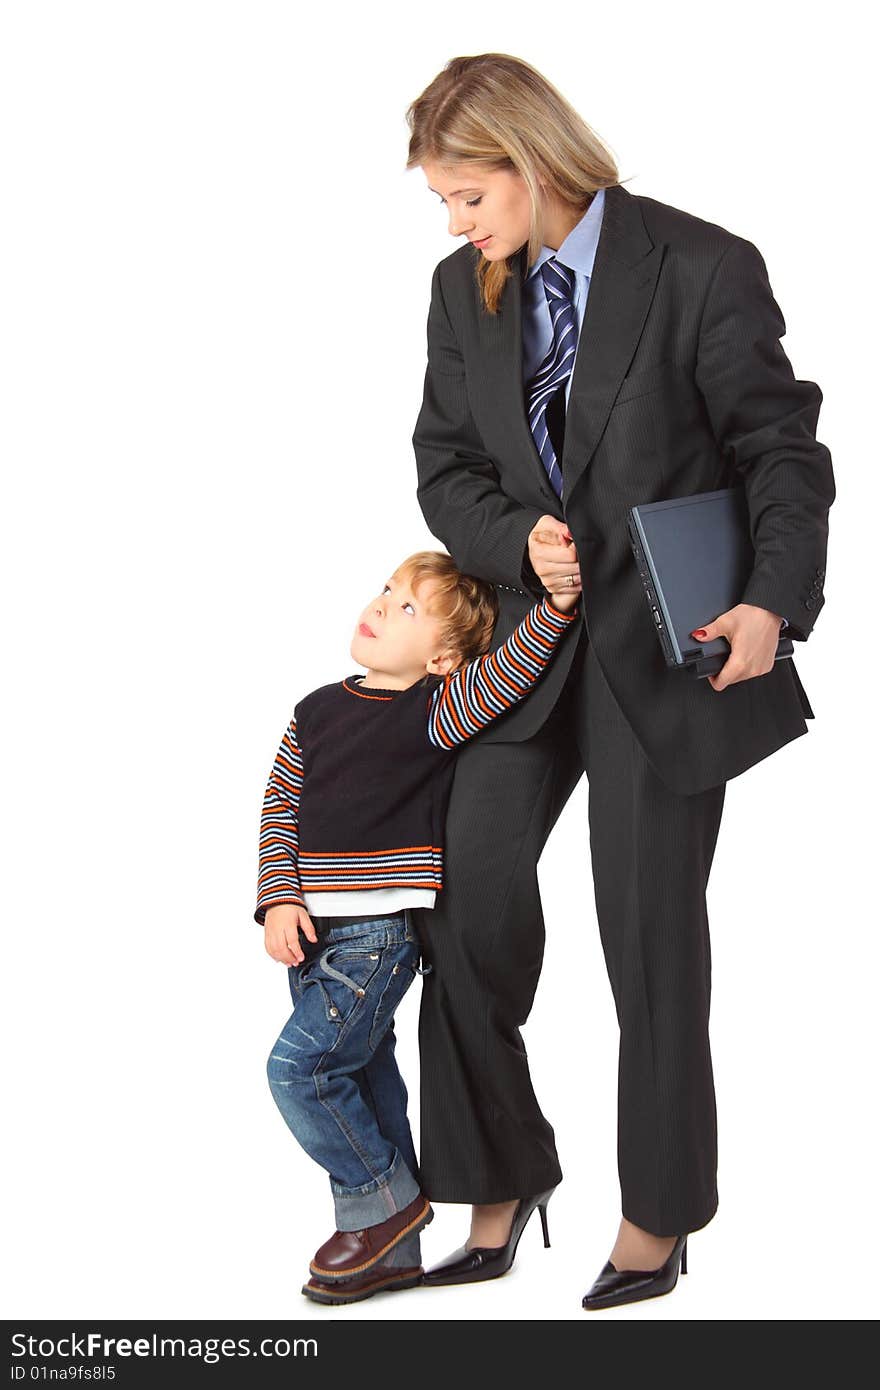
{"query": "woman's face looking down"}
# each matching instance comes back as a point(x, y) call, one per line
point(489, 207)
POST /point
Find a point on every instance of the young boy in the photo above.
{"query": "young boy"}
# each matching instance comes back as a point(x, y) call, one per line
point(352, 829)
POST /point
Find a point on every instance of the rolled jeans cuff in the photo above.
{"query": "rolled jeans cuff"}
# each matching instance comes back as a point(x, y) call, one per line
point(375, 1201)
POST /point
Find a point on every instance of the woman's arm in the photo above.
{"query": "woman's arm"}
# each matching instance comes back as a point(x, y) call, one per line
point(459, 491)
point(765, 423)
point(479, 692)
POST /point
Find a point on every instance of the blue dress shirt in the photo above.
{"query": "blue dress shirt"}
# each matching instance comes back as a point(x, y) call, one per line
point(578, 252)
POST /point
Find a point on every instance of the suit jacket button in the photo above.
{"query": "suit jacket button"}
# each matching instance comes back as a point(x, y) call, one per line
point(808, 603)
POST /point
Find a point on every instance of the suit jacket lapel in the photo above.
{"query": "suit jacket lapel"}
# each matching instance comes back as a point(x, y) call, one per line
point(621, 289)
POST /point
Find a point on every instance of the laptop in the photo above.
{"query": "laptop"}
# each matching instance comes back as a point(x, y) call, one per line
point(694, 556)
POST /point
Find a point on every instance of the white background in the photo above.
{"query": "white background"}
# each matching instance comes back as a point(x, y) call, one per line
point(207, 222)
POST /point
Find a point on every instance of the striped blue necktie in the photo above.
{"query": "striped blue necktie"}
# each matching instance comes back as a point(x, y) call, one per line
point(555, 370)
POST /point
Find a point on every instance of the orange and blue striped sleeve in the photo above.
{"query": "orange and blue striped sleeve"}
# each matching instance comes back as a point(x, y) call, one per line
point(470, 698)
point(278, 874)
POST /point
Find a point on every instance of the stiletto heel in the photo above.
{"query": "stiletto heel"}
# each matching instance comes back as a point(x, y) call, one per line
point(615, 1286)
point(466, 1266)
point(542, 1208)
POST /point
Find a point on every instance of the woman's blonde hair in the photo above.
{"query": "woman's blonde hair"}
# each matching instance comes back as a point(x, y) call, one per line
point(465, 606)
point(499, 112)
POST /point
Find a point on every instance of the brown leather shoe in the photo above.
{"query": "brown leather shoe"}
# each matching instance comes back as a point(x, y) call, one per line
point(350, 1253)
point(378, 1279)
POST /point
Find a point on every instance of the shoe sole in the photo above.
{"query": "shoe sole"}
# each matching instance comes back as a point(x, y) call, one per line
point(332, 1276)
point(336, 1294)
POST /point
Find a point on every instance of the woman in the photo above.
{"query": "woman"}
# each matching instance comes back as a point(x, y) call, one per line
point(589, 350)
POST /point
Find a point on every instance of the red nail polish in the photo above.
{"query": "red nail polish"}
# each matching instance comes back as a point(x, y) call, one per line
point(698, 632)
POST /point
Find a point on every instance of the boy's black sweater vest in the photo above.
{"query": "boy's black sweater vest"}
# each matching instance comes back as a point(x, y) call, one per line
point(374, 786)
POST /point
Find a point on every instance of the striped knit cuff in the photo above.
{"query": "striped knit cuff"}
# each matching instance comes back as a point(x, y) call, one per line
point(556, 613)
point(265, 903)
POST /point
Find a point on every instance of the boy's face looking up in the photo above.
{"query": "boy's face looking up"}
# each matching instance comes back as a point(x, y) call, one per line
point(398, 638)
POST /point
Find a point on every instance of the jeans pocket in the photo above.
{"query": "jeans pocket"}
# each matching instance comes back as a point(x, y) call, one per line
point(343, 973)
point(399, 977)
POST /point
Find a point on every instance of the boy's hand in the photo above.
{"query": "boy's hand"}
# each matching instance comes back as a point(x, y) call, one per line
point(554, 557)
point(567, 598)
point(283, 923)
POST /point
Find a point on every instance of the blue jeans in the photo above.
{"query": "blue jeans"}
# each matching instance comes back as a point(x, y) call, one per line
point(333, 1074)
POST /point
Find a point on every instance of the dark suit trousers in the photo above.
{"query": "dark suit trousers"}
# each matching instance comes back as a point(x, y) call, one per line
point(483, 1135)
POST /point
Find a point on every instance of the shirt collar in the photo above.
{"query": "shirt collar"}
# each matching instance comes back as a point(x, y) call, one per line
point(578, 250)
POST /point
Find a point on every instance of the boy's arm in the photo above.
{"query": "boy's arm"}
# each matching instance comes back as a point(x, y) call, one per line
point(473, 696)
point(278, 878)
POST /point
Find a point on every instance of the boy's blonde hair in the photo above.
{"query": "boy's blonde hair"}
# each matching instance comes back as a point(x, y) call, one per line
point(466, 607)
point(499, 112)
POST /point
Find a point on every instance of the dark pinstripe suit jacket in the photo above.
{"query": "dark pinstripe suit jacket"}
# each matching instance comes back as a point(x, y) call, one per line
point(680, 386)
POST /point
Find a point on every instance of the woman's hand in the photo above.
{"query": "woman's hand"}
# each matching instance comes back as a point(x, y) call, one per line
point(553, 557)
point(283, 923)
point(753, 634)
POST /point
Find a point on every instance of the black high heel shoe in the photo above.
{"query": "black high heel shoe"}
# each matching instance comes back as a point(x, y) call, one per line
point(615, 1286)
point(466, 1266)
